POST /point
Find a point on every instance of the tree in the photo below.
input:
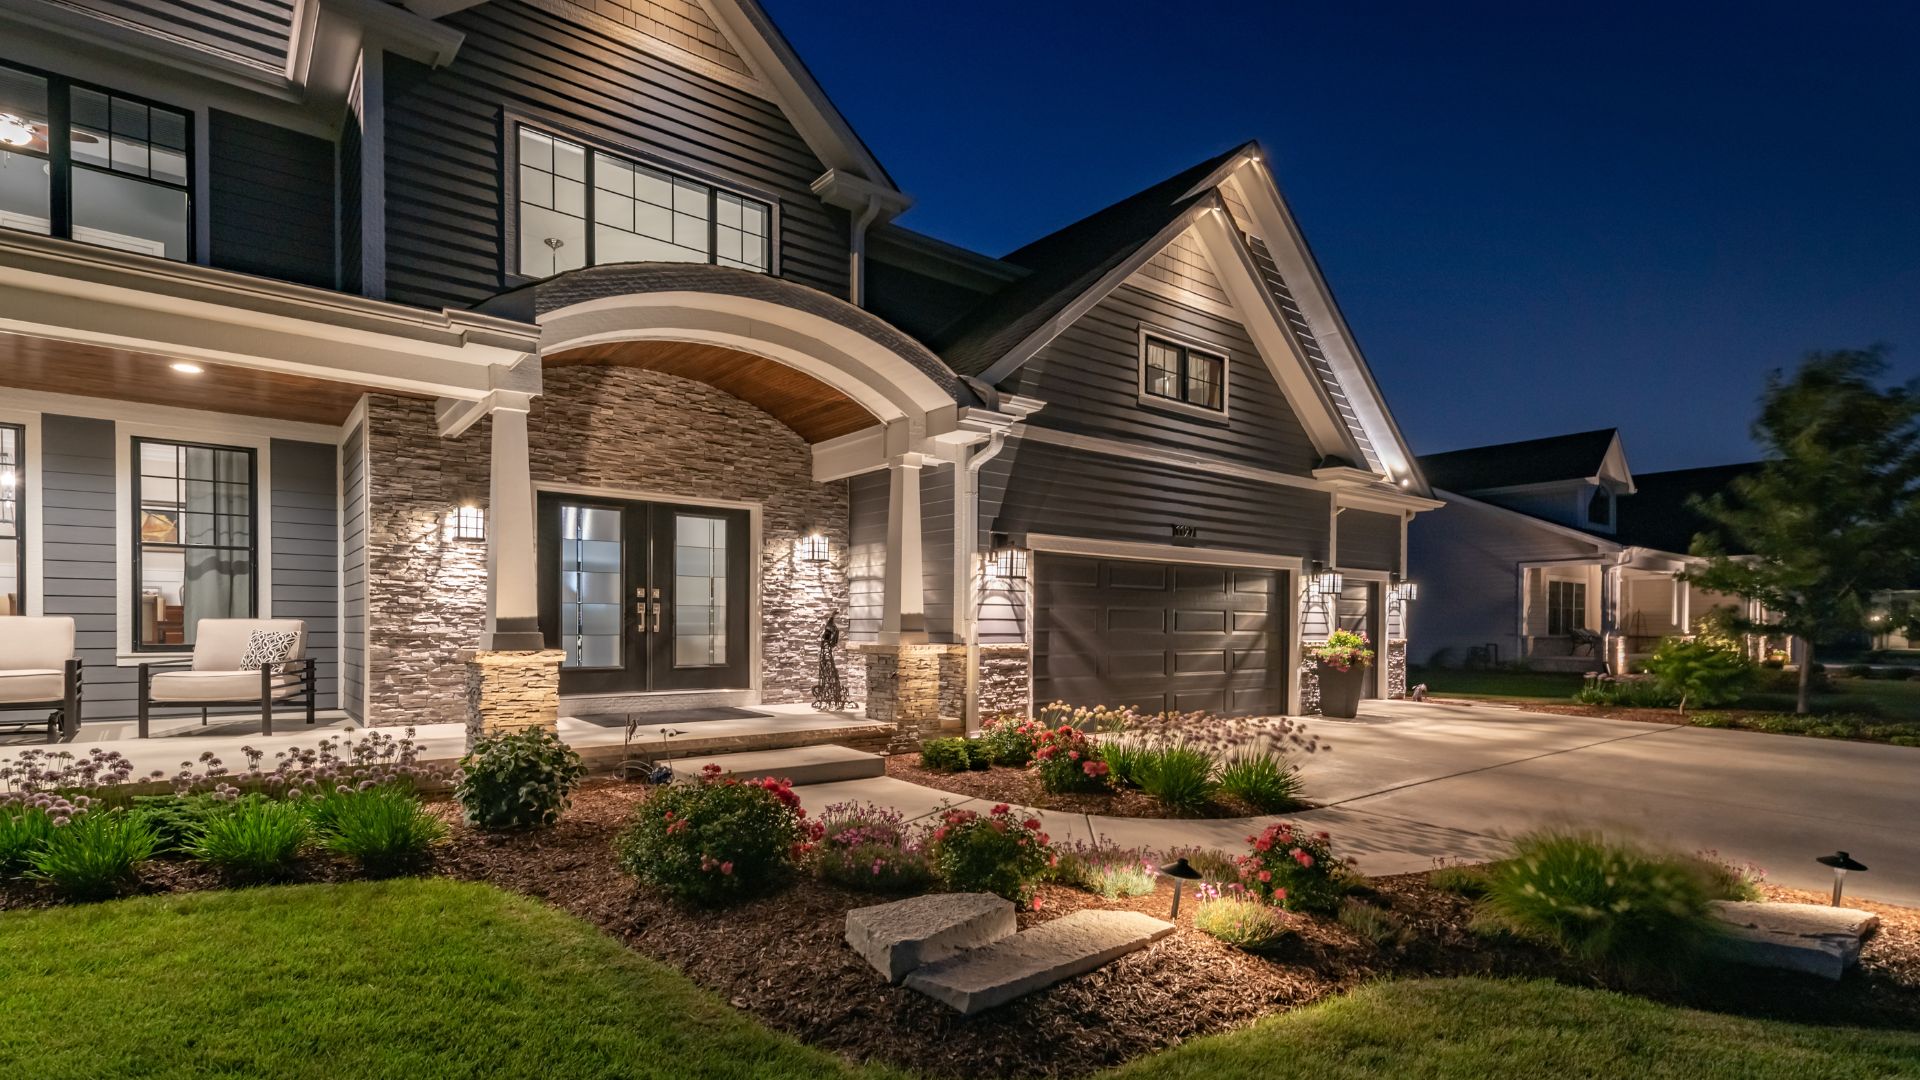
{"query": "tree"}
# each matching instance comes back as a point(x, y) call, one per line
point(1699, 671)
point(1833, 514)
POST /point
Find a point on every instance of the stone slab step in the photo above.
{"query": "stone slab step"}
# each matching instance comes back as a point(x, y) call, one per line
point(699, 742)
point(900, 937)
point(1812, 938)
point(1035, 959)
point(824, 764)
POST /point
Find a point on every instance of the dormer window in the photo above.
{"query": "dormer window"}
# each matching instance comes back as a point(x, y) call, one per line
point(1600, 508)
point(583, 206)
point(1178, 373)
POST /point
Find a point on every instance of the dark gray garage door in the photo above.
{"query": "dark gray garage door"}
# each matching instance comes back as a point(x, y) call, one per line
point(1156, 636)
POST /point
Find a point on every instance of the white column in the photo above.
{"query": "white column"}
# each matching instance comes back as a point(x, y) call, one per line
point(512, 587)
point(903, 618)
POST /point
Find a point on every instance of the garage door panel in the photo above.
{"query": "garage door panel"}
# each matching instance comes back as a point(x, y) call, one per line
point(1156, 636)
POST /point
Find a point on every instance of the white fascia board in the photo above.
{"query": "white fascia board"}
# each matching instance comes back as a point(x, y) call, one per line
point(799, 96)
point(63, 290)
point(1614, 464)
point(1290, 252)
point(1266, 324)
point(1600, 543)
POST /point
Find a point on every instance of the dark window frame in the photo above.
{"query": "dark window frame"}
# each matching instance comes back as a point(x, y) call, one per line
point(512, 122)
point(19, 507)
point(253, 529)
point(61, 164)
point(1185, 350)
point(1566, 607)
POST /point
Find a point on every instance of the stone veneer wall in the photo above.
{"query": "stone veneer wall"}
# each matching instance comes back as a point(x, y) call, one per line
point(1397, 668)
point(1003, 680)
point(625, 429)
point(1309, 689)
point(426, 592)
point(620, 429)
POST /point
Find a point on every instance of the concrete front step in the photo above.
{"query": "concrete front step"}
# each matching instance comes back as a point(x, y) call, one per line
point(1035, 959)
point(905, 935)
point(824, 764)
point(1812, 938)
point(710, 738)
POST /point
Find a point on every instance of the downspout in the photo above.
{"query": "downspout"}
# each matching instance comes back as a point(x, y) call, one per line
point(967, 524)
point(857, 251)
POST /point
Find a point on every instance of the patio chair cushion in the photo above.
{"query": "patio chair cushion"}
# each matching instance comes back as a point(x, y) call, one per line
point(36, 642)
point(221, 644)
point(223, 686)
point(31, 685)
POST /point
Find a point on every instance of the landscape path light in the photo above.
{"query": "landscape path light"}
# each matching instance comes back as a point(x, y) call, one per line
point(1841, 863)
point(1181, 872)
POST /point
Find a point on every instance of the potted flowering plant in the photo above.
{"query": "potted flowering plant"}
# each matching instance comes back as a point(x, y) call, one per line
point(1341, 666)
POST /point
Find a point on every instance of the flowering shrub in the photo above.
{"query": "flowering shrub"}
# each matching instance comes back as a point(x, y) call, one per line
point(1106, 870)
point(1066, 760)
point(993, 853)
point(1293, 869)
point(94, 855)
point(717, 838)
point(517, 780)
point(1230, 915)
point(1343, 650)
point(870, 848)
point(1008, 739)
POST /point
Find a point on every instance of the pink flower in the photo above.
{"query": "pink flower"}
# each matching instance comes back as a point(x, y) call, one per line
point(1032, 823)
point(1301, 857)
point(1002, 809)
point(726, 867)
point(1266, 875)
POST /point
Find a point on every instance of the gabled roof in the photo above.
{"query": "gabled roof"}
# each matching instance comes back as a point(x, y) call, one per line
point(1657, 516)
point(1579, 456)
point(1064, 264)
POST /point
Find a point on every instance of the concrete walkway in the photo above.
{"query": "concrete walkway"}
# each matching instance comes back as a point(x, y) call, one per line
point(1408, 783)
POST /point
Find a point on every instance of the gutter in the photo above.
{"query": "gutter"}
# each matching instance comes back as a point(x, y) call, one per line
point(968, 507)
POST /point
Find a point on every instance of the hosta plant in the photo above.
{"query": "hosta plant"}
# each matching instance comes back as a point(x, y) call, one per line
point(994, 852)
point(517, 780)
point(716, 839)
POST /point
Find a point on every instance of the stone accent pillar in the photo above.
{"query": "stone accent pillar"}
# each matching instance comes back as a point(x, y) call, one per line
point(907, 685)
point(1309, 688)
point(1397, 668)
point(512, 691)
point(1005, 684)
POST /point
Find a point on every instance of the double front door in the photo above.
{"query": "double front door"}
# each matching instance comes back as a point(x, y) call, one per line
point(644, 596)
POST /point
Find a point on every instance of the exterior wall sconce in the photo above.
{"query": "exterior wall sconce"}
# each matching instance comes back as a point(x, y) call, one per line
point(1405, 590)
point(1006, 562)
point(1326, 581)
point(813, 548)
point(470, 523)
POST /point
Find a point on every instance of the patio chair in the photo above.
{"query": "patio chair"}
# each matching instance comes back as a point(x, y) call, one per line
point(234, 662)
point(39, 672)
point(1584, 638)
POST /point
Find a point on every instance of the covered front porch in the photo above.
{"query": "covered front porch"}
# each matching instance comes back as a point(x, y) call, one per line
point(1607, 613)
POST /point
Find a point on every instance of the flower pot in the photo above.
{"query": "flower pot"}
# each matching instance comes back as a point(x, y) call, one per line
point(1340, 690)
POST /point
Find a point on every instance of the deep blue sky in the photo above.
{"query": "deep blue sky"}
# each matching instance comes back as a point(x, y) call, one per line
point(1615, 215)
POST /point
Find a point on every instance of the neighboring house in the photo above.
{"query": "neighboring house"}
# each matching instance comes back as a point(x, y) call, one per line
point(535, 347)
point(1552, 552)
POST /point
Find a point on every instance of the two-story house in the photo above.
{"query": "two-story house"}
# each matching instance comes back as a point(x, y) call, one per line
point(569, 348)
point(1553, 553)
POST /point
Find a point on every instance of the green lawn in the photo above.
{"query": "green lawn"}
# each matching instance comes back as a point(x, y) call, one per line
point(425, 979)
point(1477, 1029)
point(1884, 699)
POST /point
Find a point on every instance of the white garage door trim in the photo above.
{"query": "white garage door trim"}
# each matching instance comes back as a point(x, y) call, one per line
point(1172, 553)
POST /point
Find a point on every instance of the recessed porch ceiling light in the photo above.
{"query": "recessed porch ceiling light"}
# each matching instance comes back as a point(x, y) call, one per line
point(186, 367)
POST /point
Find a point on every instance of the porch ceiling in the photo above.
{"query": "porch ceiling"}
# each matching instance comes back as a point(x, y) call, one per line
point(55, 366)
point(813, 409)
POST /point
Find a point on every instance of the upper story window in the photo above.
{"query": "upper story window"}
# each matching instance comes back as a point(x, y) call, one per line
point(1600, 508)
point(93, 165)
point(13, 561)
point(1182, 374)
point(581, 206)
point(194, 550)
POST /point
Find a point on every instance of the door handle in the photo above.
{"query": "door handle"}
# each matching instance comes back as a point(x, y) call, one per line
point(657, 609)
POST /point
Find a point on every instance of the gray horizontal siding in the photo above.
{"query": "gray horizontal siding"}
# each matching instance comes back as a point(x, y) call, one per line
point(445, 217)
point(936, 550)
point(77, 540)
point(353, 573)
point(254, 30)
point(1089, 377)
point(1035, 487)
point(272, 200)
point(1368, 540)
point(303, 501)
point(867, 532)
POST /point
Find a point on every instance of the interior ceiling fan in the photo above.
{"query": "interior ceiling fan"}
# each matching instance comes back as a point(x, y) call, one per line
point(19, 133)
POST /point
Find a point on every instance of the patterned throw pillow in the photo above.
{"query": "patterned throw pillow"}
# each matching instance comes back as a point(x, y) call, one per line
point(267, 647)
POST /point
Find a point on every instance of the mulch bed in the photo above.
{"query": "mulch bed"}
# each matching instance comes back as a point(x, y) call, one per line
point(1022, 788)
point(783, 958)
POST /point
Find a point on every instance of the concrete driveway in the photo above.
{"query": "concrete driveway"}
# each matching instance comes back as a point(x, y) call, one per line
point(1437, 771)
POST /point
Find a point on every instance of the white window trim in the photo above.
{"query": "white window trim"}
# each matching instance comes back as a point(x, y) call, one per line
point(632, 152)
point(33, 571)
point(1155, 401)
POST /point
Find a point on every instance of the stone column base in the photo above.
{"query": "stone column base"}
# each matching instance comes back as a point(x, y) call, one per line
point(1005, 685)
point(1309, 688)
point(918, 688)
point(512, 691)
point(1397, 669)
